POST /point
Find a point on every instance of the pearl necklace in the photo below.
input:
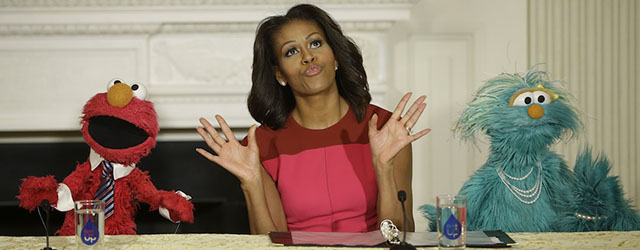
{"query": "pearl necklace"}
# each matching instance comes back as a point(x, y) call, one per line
point(587, 217)
point(520, 194)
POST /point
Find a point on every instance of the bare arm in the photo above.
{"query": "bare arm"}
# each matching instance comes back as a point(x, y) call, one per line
point(391, 155)
point(392, 179)
point(263, 200)
point(264, 206)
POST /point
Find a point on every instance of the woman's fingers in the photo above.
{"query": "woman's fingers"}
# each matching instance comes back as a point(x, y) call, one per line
point(413, 118)
point(226, 130)
point(422, 133)
point(251, 138)
point(398, 111)
point(208, 155)
point(412, 111)
point(373, 124)
point(213, 133)
point(207, 139)
point(216, 159)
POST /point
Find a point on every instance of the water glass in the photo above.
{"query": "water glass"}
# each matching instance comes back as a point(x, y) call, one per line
point(89, 220)
point(451, 211)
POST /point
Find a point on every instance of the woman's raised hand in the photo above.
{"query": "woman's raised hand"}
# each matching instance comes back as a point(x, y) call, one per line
point(396, 132)
point(241, 161)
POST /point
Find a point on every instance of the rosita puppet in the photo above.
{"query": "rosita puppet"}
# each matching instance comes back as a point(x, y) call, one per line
point(525, 186)
point(120, 127)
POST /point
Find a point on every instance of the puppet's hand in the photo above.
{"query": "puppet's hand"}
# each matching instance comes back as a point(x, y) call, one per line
point(177, 205)
point(34, 190)
point(394, 135)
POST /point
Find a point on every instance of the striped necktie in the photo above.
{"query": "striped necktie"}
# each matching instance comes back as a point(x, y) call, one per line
point(105, 191)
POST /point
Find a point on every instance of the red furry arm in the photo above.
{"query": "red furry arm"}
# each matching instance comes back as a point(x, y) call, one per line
point(34, 190)
point(78, 179)
point(142, 188)
point(179, 208)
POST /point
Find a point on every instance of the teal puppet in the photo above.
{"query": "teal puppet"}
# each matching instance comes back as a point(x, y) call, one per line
point(525, 186)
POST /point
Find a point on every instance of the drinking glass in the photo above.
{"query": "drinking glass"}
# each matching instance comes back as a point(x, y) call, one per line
point(451, 211)
point(89, 220)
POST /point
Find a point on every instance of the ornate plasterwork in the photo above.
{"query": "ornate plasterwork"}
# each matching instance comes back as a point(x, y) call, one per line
point(208, 28)
point(191, 63)
point(251, 27)
point(369, 48)
point(224, 60)
point(169, 28)
point(239, 98)
point(77, 29)
point(366, 26)
point(144, 3)
point(218, 60)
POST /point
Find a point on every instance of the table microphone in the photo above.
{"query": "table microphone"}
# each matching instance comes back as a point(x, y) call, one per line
point(46, 206)
point(402, 196)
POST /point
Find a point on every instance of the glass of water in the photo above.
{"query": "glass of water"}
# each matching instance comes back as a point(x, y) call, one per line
point(89, 219)
point(452, 220)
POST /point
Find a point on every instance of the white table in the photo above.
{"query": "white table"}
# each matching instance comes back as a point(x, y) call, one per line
point(590, 240)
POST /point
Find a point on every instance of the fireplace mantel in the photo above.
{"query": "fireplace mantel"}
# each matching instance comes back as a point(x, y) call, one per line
point(193, 56)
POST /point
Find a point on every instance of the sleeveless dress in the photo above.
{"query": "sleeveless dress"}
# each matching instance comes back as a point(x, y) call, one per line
point(325, 177)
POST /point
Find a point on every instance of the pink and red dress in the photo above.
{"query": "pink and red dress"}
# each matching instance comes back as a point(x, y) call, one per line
point(325, 177)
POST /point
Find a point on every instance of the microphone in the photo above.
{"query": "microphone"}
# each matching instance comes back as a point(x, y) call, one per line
point(46, 206)
point(402, 197)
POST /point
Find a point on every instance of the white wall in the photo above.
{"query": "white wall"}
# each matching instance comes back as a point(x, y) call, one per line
point(594, 47)
point(194, 57)
point(446, 51)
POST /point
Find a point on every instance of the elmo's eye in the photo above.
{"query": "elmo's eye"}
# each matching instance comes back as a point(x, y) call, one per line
point(523, 99)
point(541, 97)
point(113, 82)
point(139, 91)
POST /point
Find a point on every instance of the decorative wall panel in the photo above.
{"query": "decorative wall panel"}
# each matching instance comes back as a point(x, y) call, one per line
point(194, 56)
point(594, 47)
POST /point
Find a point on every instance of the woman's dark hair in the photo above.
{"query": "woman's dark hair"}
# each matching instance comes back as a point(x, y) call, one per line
point(269, 103)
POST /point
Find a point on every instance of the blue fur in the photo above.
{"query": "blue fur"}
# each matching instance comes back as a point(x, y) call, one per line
point(429, 212)
point(596, 194)
point(518, 142)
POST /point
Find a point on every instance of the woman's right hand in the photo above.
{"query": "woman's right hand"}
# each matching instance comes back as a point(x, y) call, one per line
point(241, 161)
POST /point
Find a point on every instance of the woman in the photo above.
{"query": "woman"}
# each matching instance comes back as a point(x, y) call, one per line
point(323, 159)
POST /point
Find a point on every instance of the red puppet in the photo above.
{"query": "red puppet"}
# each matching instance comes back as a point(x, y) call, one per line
point(120, 127)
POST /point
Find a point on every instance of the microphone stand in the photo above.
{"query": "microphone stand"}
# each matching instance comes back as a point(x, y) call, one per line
point(402, 196)
point(46, 206)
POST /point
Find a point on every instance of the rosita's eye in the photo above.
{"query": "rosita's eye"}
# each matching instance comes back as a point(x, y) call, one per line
point(542, 97)
point(523, 99)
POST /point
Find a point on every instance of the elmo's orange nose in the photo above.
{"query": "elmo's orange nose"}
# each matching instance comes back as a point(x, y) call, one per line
point(119, 95)
point(535, 111)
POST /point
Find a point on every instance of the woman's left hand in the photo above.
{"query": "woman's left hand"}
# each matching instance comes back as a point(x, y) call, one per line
point(396, 132)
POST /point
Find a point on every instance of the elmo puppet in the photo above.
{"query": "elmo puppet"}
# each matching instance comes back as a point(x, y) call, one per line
point(120, 127)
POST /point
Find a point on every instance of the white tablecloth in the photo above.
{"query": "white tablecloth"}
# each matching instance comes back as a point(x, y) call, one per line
point(590, 240)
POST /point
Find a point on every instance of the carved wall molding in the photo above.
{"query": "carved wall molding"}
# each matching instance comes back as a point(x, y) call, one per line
point(215, 60)
point(170, 28)
point(149, 3)
point(208, 27)
point(251, 27)
point(195, 98)
point(77, 29)
point(194, 55)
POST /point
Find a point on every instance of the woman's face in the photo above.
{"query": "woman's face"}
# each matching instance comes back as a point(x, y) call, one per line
point(306, 61)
